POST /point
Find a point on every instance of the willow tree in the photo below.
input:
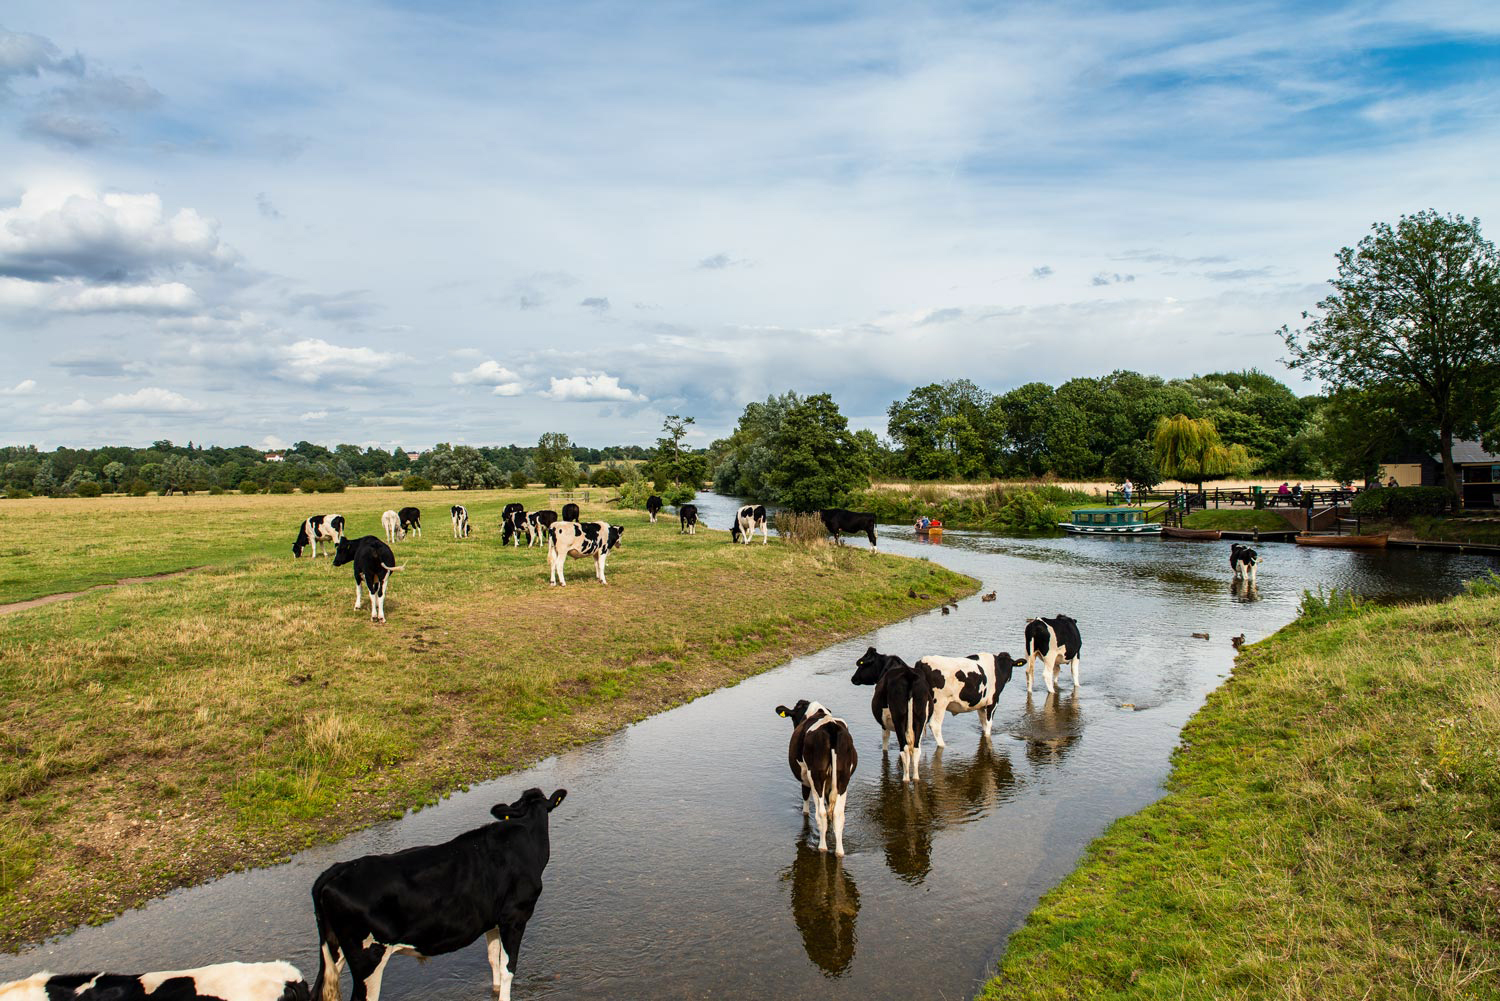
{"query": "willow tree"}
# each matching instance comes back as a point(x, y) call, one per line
point(1189, 449)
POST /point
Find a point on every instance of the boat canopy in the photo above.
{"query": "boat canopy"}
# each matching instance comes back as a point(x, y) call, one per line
point(1109, 516)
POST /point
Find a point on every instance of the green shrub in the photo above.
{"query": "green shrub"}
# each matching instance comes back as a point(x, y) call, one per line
point(281, 487)
point(800, 528)
point(391, 480)
point(416, 483)
point(310, 485)
point(17, 493)
point(139, 487)
point(517, 480)
point(1326, 606)
point(367, 480)
point(605, 477)
point(88, 488)
point(1487, 586)
point(250, 487)
point(1400, 503)
point(215, 490)
point(332, 485)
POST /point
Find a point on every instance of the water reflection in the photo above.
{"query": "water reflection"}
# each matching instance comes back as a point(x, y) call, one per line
point(900, 813)
point(962, 789)
point(1051, 731)
point(825, 908)
point(1243, 590)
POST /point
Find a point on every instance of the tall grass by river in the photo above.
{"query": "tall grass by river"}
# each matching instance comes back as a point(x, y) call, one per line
point(1000, 507)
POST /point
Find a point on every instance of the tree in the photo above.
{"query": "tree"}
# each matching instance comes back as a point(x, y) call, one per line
point(114, 473)
point(1025, 410)
point(555, 465)
point(1189, 449)
point(818, 461)
point(670, 465)
point(1135, 462)
point(947, 430)
point(1415, 317)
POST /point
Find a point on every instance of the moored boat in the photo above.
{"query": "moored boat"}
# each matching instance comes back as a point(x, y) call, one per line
point(1109, 521)
point(1198, 534)
point(1344, 541)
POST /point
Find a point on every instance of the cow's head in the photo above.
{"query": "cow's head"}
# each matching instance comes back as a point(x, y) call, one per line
point(1004, 665)
point(344, 552)
point(870, 667)
point(796, 713)
point(302, 541)
point(531, 799)
point(615, 531)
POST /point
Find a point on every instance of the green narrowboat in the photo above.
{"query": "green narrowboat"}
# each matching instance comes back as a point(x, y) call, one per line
point(1110, 521)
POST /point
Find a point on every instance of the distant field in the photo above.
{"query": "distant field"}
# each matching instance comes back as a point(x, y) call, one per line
point(161, 734)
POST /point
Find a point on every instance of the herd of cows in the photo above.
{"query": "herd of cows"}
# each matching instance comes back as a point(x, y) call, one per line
point(436, 899)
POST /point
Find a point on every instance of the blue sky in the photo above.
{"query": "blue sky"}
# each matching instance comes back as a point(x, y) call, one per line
point(479, 222)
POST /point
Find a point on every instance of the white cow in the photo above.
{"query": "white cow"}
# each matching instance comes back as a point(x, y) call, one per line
point(391, 522)
point(966, 684)
point(223, 982)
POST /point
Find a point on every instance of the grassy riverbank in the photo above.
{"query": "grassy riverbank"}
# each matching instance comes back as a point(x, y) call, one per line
point(1331, 830)
point(159, 735)
point(1000, 507)
point(1237, 520)
point(1475, 528)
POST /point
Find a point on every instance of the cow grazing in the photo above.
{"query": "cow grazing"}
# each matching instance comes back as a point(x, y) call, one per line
point(902, 704)
point(391, 522)
point(590, 538)
point(222, 982)
point(538, 524)
point(1052, 641)
point(837, 520)
point(746, 520)
point(435, 899)
point(459, 515)
point(688, 514)
point(325, 528)
point(512, 523)
point(822, 757)
point(1243, 560)
point(411, 520)
point(373, 565)
point(653, 507)
point(570, 512)
point(966, 684)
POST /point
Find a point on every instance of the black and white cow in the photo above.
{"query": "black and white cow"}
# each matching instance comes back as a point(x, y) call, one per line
point(966, 684)
point(570, 512)
point(434, 899)
point(902, 704)
point(1052, 641)
point(822, 757)
point(222, 982)
point(538, 523)
point(746, 520)
point(374, 562)
point(1243, 560)
point(459, 515)
point(590, 538)
point(391, 522)
point(411, 520)
point(653, 507)
point(325, 528)
point(837, 520)
point(688, 515)
point(512, 523)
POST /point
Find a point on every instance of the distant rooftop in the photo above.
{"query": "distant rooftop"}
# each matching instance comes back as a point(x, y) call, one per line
point(1472, 451)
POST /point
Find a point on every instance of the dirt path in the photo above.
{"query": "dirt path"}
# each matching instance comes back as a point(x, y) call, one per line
point(48, 599)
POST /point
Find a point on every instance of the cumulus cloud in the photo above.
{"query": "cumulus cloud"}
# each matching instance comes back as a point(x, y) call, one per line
point(587, 388)
point(1105, 278)
point(23, 388)
point(171, 297)
point(313, 415)
point(78, 406)
point(98, 364)
point(718, 262)
point(151, 400)
point(486, 373)
point(598, 304)
point(315, 360)
point(24, 54)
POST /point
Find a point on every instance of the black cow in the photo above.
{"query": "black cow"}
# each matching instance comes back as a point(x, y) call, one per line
point(411, 520)
point(512, 523)
point(688, 514)
point(538, 523)
point(435, 899)
point(746, 520)
point(838, 520)
point(1243, 560)
point(902, 704)
point(374, 562)
point(460, 518)
point(222, 982)
point(570, 512)
point(653, 507)
point(1052, 641)
point(590, 538)
point(822, 757)
point(318, 528)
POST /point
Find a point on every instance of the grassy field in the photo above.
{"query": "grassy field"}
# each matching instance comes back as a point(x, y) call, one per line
point(1237, 520)
point(1483, 528)
point(1331, 830)
point(160, 734)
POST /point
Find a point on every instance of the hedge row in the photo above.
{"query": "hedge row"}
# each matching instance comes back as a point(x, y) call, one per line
point(1401, 502)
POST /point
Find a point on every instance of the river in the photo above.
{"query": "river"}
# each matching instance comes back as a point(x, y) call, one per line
point(680, 866)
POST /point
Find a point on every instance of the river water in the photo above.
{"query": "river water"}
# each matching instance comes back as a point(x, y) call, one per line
point(680, 861)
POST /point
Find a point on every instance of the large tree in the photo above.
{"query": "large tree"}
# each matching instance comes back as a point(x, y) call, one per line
point(947, 430)
point(1415, 318)
point(1189, 449)
point(818, 459)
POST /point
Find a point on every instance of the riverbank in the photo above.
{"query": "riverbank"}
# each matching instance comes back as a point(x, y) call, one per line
point(160, 735)
point(1331, 829)
point(1237, 520)
point(1026, 507)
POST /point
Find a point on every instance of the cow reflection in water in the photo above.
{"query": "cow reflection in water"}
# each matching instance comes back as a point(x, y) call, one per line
point(1244, 590)
point(825, 906)
point(1051, 730)
point(960, 788)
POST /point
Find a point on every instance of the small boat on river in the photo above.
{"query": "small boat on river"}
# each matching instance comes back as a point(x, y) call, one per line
point(934, 529)
point(1196, 534)
point(1344, 541)
point(1109, 521)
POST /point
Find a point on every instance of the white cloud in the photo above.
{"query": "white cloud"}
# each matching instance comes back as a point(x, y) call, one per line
point(488, 373)
point(172, 297)
point(23, 388)
point(271, 443)
point(78, 406)
point(313, 415)
point(508, 389)
point(586, 388)
point(151, 400)
point(315, 360)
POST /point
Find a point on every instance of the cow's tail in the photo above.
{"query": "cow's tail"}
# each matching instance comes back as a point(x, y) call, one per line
point(326, 987)
point(392, 569)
